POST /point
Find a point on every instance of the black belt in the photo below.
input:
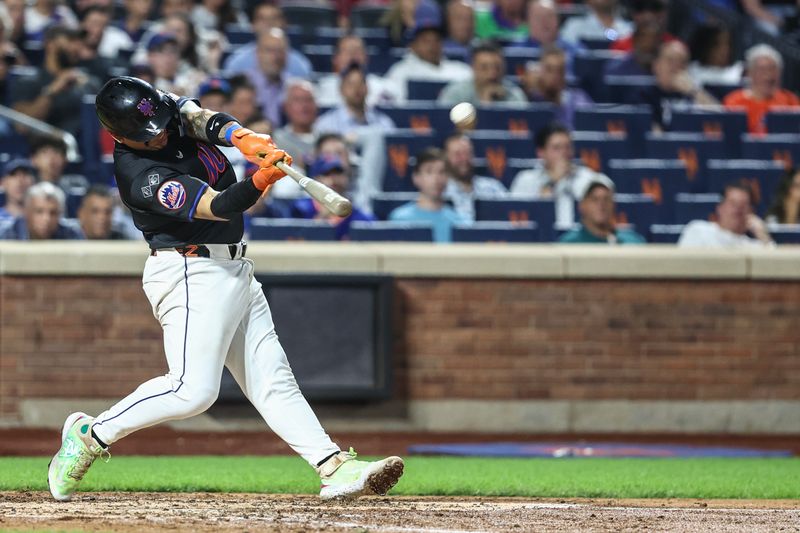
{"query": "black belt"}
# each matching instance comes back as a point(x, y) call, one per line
point(199, 250)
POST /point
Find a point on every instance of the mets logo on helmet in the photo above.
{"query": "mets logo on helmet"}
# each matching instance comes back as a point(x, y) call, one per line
point(172, 195)
point(146, 108)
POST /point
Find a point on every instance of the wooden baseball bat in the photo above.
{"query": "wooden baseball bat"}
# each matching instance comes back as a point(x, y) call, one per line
point(333, 201)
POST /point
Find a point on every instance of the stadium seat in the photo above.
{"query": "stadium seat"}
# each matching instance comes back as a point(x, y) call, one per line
point(787, 121)
point(320, 56)
point(496, 232)
point(300, 36)
point(636, 209)
point(366, 17)
point(542, 212)
point(633, 121)
point(424, 89)
point(498, 147)
point(596, 44)
point(309, 15)
point(422, 116)
point(74, 199)
point(90, 142)
point(783, 147)
point(624, 89)
point(518, 57)
point(391, 231)
point(385, 203)
point(690, 207)
point(512, 167)
point(374, 36)
point(238, 35)
point(289, 229)
point(518, 118)
point(666, 233)
point(659, 178)
point(588, 69)
point(726, 125)
point(694, 149)
point(401, 147)
point(785, 233)
point(721, 90)
point(762, 176)
point(2, 197)
point(595, 149)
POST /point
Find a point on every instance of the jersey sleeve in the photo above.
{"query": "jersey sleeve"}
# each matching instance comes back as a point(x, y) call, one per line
point(163, 191)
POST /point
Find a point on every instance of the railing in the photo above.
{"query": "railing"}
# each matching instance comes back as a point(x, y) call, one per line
point(73, 154)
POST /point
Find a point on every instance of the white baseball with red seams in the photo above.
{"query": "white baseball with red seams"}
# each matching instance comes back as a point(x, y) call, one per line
point(463, 115)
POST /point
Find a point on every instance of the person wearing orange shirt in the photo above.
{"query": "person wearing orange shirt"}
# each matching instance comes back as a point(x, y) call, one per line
point(764, 67)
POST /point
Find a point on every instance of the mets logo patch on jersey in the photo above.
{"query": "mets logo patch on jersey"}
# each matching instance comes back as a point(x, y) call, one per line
point(172, 195)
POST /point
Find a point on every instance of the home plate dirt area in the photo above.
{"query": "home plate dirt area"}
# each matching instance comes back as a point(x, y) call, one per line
point(129, 512)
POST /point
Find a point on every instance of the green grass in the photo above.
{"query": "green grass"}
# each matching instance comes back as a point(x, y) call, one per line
point(613, 478)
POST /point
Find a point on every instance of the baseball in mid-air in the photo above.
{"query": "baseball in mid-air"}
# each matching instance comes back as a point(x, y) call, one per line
point(463, 115)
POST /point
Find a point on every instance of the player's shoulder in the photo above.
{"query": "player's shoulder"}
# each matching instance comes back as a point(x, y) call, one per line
point(129, 164)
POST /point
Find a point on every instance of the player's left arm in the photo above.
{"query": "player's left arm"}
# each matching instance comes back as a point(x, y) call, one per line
point(205, 124)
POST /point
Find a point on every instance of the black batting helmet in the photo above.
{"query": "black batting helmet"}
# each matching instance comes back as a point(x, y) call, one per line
point(133, 109)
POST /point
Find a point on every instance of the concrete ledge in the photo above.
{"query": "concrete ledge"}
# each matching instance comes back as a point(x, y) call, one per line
point(542, 261)
point(776, 417)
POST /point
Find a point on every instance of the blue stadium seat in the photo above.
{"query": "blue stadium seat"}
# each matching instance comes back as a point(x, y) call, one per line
point(2, 197)
point(787, 121)
point(666, 233)
point(694, 149)
point(424, 89)
point(588, 69)
point(783, 147)
point(595, 149)
point(374, 36)
point(785, 233)
point(422, 116)
point(517, 118)
point(300, 35)
point(721, 90)
point(726, 125)
point(34, 52)
point(518, 57)
point(238, 35)
point(762, 176)
point(366, 17)
point(90, 142)
point(74, 199)
point(496, 232)
point(320, 56)
point(543, 212)
point(659, 178)
point(391, 231)
point(498, 147)
point(385, 203)
point(401, 148)
point(289, 229)
point(596, 44)
point(624, 89)
point(690, 207)
point(636, 209)
point(309, 15)
point(633, 121)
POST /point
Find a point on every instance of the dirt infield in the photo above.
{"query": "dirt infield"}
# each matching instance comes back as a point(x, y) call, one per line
point(128, 512)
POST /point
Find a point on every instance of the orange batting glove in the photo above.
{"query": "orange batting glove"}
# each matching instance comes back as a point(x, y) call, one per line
point(252, 144)
point(268, 174)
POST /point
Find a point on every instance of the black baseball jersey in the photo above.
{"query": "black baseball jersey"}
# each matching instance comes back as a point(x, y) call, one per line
point(162, 188)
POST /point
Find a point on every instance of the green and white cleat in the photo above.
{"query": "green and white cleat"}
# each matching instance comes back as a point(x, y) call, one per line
point(342, 476)
point(77, 453)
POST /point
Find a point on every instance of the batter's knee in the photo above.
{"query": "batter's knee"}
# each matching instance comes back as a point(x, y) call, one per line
point(199, 399)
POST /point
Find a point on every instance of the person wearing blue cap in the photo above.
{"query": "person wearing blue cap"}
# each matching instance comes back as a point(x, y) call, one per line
point(329, 171)
point(18, 176)
point(214, 93)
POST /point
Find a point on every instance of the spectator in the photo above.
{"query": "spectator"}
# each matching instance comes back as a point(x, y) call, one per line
point(505, 20)
point(557, 176)
point(646, 41)
point(463, 186)
point(785, 207)
point(711, 46)
point(333, 145)
point(423, 60)
point(297, 136)
point(401, 18)
point(353, 114)
point(547, 82)
point(135, 19)
point(201, 50)
point(646, 13)
point(674, 87)
point(99, 36)
point(171, 7)
point(163, 56)
point(543, 30)
point(764, 67)
point(40, 15)
point(350, 49)
point(430, 179)
point(19, 175)
point(488, 84)
point(16, 12)
point(735, 219)
point(44, 206)
point(460, 19)
point(55, 92)
point(243, 104)
point(49, 158)
point(214, 94)
point(216, 15)
point(268, 78)
point(601, 22)
point(264, 16)
point(771, 17)
point(331, 172)
point(597, 224)
point(95, 215)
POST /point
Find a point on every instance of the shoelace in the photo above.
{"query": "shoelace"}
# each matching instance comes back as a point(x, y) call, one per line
point(85, 460)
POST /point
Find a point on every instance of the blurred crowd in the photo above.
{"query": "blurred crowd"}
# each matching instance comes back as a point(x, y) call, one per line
point(324, 77)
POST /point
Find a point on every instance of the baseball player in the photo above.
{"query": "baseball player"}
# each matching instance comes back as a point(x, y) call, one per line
point(186, 201)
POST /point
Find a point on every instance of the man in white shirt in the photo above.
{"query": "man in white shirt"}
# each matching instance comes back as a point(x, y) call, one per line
point(557, 176)
point(463, 186)
point(735, 219)
point(601, 22)
point(424, 60)
point(353, 114)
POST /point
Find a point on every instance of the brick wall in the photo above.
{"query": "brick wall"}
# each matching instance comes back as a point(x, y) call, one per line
point(72, 337)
